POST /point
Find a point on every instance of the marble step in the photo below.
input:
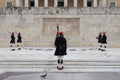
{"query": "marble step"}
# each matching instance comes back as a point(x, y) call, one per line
point(66, 63)
point(54, 64)
point(69, 65)
point(66, 69)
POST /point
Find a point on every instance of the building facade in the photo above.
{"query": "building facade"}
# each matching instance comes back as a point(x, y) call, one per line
point(80, 20)
point(60, 3)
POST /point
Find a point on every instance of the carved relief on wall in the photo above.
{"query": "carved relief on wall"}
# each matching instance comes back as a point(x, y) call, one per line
point(70, 26)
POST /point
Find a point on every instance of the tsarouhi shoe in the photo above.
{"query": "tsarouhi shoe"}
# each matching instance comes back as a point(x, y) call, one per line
point(19, 48)
point(103, 50)
point(60, 68)
point(12, 49)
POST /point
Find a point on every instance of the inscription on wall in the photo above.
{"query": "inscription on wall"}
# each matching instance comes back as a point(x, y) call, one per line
point(70, 26)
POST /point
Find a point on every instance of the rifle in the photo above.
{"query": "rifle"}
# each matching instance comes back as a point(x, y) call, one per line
point(57, 30)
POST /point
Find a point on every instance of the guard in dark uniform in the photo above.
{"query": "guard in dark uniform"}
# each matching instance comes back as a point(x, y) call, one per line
point(19, 41)
point(12, 41)
point(99, 40)
point(104, 41)
point(61, 48)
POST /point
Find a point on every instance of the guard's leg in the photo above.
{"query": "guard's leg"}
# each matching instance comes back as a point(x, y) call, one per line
point(61, 62)
point(103, 48)
point(19, 46)
point(99, 46)
point(12, 47)
point(58, 61)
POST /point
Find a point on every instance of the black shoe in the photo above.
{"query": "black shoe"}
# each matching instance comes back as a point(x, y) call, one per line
point(103, 50)
point(99, 49)
point(12, 49)
point(60, 68)
point(19, 48)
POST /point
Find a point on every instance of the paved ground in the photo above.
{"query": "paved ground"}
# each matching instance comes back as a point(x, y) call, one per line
point(48, 54)
point(67, 76)
point(38, 54)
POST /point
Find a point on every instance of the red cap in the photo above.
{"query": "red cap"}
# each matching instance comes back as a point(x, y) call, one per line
point(104, 32)
point(12, 32)
point(60, 33)
point(19, 33)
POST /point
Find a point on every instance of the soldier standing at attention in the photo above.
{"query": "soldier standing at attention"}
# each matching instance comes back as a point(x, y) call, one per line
point(61, 47)
point(12, 41)
point(19, 41)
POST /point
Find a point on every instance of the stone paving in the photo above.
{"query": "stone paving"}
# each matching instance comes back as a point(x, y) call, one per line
point(43, 59)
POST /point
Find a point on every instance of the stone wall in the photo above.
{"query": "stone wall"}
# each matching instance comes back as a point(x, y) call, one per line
point(39, 30)
point(117, 2)
point(59, 11)
point(3, 2)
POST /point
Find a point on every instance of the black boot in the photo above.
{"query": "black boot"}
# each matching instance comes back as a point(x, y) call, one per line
point(104, 46)
point(62, 61)
point(58, 61)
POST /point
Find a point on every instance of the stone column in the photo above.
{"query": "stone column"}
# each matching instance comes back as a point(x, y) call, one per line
point(26, 3)
point(75, 3)
point(94, 3)
point(17, 3)
point(45, 3)
point(21, 3)
point(36, 3)
point(84, 3)
point(100, 3)
point(104, 3)
point(55, 3)
point(65, 3)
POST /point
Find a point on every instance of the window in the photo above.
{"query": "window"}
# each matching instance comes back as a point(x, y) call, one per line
point(51, 3)
point(9, 4)
point(70, 3)
point(32, 4)
point(112, 4)
point(89, 4)
point(60, 4)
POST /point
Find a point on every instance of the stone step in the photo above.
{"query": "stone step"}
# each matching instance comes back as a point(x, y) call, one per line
point(50, 65)
point(54, 66)
point(68, 64)
point(66, 60)
point(53, 69)
point(54, 62)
